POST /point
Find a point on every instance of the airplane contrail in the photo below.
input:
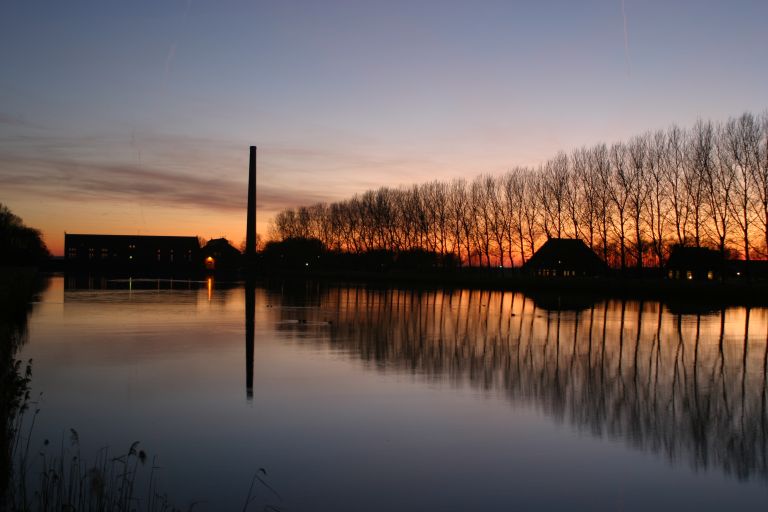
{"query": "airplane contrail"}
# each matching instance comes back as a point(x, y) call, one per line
point(172, 50)
point(626, 38)
point(168, 60)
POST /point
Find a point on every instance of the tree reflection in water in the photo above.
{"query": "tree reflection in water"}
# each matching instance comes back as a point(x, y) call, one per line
point(690, 386)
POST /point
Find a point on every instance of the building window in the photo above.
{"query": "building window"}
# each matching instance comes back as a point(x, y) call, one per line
point(90, 253)
point(710, 275)
point(158, 255)
point(72, 253)
point(171, 256)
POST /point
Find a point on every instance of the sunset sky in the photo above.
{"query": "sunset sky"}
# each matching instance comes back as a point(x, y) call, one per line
point(136, 117)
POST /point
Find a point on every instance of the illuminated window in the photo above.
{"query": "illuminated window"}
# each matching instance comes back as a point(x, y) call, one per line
point(689, 274)
point(710, 275)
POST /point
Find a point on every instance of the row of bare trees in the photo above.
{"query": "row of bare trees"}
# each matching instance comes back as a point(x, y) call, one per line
point(630, 202)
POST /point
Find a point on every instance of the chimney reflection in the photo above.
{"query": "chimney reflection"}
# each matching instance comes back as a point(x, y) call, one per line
point(250, 314)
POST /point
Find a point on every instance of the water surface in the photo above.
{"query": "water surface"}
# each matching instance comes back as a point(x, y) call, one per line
point(385, 399)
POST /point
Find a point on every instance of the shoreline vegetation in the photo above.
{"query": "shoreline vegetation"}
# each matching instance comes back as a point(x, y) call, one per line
point(18, 286)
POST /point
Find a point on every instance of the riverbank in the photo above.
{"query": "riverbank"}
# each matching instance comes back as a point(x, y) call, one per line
point(18, 286)
point(739, 292)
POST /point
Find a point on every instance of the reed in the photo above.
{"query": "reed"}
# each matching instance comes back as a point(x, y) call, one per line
point(63, 481)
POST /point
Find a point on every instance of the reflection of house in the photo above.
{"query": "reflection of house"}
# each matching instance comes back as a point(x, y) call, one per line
point(565, 257)
point(129, 252)
point(218, 254)
point(697, 263)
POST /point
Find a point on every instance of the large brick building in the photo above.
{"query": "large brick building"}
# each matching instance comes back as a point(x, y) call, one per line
point(132, 252)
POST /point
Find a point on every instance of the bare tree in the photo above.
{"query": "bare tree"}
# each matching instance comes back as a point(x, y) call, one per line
point(760, 178)
point(620, 187)
point(657, 205)
point(675, 160)
point(699, 163)
point(483, 217)
point(516, 198)
point(496, 214)
point(532, 210)
point(638, 193)
point(460, 213)
point(740, 141)
point(600, 167)
point(555, 183)
point(586, 190)
point(719, 180)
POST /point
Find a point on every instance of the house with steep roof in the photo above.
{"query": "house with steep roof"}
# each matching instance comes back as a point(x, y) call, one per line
point(565, 257)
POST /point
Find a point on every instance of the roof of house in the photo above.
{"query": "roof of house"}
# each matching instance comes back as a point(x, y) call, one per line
point(688, 257)
point(220, 246)
point(566, 253)
point(73, 239)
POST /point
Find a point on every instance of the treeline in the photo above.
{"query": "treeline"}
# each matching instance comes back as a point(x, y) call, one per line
point(630, 202)
point(20, 245)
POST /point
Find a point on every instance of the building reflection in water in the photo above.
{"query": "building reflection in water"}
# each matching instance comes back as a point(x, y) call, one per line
point(691, 387)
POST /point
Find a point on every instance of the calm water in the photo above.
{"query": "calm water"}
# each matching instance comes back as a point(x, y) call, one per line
point(399, 400)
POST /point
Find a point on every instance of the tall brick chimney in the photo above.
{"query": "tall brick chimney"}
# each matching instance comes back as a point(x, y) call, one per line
point(250, 229)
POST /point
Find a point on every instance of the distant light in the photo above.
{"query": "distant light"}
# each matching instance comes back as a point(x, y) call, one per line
point(306, 264)
point(738, 273)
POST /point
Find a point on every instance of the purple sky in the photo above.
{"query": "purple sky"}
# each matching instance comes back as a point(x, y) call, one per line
point(136, 117)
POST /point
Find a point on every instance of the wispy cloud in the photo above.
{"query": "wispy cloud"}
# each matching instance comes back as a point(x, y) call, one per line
point(180, 171)
point(14, 120)
point(72, 180)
